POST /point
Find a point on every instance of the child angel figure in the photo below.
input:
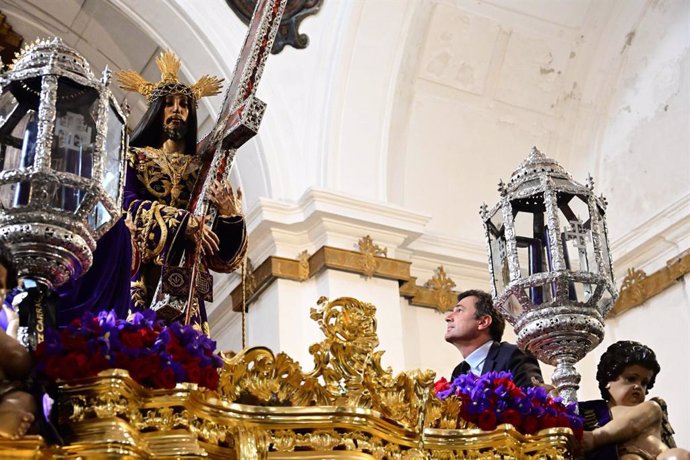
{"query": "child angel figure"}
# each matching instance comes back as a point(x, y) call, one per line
point(17, 406)
point(626, 371)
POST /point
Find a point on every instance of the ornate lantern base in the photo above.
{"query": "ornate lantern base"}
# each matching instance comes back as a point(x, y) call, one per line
point(561, 336)
point(47, 253)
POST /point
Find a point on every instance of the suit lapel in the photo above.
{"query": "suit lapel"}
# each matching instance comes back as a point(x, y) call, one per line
point(490, 362)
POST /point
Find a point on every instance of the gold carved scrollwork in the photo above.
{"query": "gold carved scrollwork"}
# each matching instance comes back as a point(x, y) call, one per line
point(332, 440)
point(347, 370)
point(347, 406)
point(370, 251)
point(442, 288)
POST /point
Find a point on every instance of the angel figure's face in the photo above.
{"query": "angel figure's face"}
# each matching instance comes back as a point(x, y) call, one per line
point(630, 388)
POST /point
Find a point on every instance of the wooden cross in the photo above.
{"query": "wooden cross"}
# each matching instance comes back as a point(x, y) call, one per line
point(241, 112)
point(238, 121)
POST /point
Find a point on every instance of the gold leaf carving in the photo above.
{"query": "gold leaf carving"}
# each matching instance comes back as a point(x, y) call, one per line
point(442, 288)
point(370, 250)
point(633, 282)
point(250, 284)
point(638, 287)
point(347, 370)
point(303, 269)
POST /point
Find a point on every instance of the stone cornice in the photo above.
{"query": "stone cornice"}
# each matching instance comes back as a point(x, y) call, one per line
point(638, 287)
point(437, 293)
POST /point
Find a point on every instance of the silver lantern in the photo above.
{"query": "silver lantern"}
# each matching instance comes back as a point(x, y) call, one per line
point(62, 147)
point(551, 271)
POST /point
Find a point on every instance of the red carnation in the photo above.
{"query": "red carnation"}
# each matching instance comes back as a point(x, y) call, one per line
point(73, 365)
point(511, 416)
point(487, 421)
point(549, 421)
point(175, 349)
point(131, 340)
point(209, 377)
point(164, 378)
point(52, 368)
point(441, 385)
point(193, 373)
point(143, 367)
point(530, 424)
point(97, 363)
point(148, 336)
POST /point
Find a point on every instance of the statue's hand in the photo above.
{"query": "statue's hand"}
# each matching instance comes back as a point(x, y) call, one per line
point(199, 233)
point(225, 200)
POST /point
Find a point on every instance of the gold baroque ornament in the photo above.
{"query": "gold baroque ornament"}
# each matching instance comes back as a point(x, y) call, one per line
point(370, 250)
point(249, 280)
point(303, 267)
point(442, 287)
point(633, 283)
point(348, 406)
point(347, 370)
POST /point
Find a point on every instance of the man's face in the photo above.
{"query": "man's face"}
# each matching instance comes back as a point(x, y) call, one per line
point(175, 114)
point(461, 324)
point(630, 388)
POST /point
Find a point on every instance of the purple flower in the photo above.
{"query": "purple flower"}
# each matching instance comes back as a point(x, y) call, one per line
point(494, 395)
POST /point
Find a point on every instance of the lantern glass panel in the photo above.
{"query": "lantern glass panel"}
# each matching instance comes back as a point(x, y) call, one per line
point(532, 244)
point(64, 197)
point(113, 154)
point(75, 129)
point(576, 233)
point(99, 216)
point(497, 246)
point(576, 240)
point(15, 195)
point(20, 144)
point(8, 104)
point(606, 300)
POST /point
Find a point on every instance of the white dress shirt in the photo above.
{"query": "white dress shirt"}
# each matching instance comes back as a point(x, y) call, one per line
point(477, 358)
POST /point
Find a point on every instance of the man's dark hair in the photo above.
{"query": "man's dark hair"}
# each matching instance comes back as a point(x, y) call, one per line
point(149, 131)
point(485, 306)
point(620, 355)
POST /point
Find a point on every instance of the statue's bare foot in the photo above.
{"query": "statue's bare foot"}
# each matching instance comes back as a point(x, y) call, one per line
point(15, 423)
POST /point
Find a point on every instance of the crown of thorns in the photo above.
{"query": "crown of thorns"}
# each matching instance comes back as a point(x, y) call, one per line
point(169, 65)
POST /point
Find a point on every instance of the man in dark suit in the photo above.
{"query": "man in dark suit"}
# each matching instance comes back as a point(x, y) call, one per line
point(476, 329)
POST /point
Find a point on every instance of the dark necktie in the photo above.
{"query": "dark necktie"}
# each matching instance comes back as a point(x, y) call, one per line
point(462, 368)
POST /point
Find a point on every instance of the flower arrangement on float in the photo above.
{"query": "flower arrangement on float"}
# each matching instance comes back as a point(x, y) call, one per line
point(493, 399)
point(155, 355)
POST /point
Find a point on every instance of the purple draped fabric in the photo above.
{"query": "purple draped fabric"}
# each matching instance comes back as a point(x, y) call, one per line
point(106, 285)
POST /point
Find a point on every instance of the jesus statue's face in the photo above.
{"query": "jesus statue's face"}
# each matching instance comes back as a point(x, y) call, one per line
point(175, 114)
